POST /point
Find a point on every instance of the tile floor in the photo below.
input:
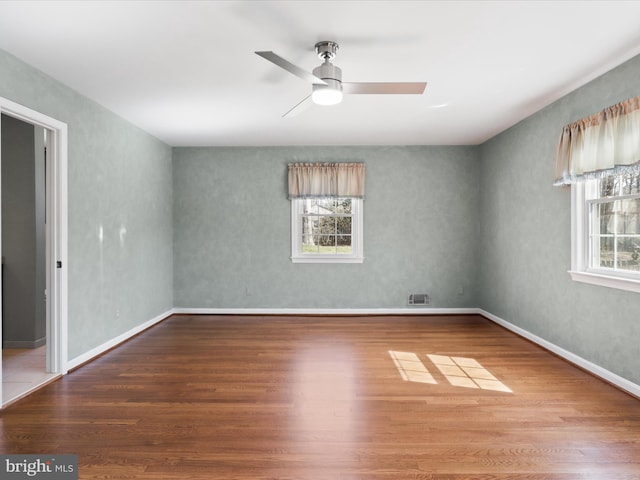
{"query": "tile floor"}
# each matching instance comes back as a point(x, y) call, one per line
point(23, 370)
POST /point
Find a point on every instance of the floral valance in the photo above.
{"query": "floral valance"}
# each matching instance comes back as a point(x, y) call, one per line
point(308, 180)
point(602, 144)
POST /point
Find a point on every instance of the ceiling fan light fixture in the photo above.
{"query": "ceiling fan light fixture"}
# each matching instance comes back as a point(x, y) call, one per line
point(327, 94)
point(331, 93)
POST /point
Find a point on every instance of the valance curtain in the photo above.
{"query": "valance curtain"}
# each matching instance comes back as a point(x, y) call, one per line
point(308, 180)
point(603, 144)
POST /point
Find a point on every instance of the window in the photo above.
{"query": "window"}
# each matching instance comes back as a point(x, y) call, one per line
point(326, 212)
point(606, 233)
point(326, 230)
point(599, 156)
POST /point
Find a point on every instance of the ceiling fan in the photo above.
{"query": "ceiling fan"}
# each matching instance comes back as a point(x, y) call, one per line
point(327, 84)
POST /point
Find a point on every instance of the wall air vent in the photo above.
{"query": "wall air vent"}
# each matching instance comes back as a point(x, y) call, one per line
point(419, 299)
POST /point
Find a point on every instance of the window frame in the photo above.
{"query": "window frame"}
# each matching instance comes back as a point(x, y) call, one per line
point(581, 193)
point(357, 233)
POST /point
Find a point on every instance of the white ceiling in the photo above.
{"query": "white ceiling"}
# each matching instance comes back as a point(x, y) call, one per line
point(186, 72)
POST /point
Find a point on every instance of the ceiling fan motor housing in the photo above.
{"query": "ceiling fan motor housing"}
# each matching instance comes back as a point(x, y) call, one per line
point(329, 73)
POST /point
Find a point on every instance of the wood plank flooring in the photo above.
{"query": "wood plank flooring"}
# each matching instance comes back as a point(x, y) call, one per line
point(335, 398)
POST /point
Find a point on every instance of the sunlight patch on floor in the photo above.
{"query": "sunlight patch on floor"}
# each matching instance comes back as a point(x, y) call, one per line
point(467, 372)
point(459, 371)
point(411, 368)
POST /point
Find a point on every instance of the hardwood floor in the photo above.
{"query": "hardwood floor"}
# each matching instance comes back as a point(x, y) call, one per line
point(313, 398)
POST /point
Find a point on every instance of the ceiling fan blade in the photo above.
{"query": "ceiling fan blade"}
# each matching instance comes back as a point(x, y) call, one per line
point(291, 68)
point(300, 107)
point(383, 87)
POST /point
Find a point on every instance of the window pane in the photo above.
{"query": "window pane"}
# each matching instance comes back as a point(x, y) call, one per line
point(327, 234)
point(629, 216)
point(326, 240)
point(326, 226)
point(604, 220)
point(343, 225)
point(630, 183)
point(616, 224)
point(344, 205)
point(307, 205)
point(309, 223)
point(605, 250)
point(623, 184)
point(321, 206)
point(609, 186)
point(308, 228)
point(628, 253)
point(327, 205)
point(344, 244)
point(326, 244)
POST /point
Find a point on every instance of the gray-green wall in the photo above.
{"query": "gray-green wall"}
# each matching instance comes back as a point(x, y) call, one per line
point(526, 237)
point(119, 183)
point(232, 229)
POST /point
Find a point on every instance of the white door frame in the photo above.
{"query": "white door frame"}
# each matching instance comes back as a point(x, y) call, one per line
point(56, 233)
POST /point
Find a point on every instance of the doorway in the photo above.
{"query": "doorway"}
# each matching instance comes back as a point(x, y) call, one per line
point(34, 280)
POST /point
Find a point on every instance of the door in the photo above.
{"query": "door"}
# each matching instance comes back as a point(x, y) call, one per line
point(54, 296)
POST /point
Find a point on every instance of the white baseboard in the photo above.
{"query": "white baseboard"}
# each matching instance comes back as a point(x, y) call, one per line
point(91, 354)
point(598, 371)
point(326, 311)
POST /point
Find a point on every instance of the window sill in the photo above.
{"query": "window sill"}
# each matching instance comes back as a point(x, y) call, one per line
point(628, 284)
point(327, 259)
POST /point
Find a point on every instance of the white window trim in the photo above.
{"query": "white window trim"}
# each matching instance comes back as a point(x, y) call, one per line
point(357, 231)
point(580, 271)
